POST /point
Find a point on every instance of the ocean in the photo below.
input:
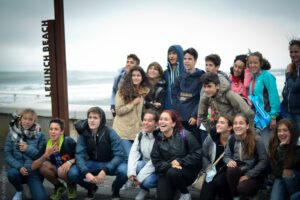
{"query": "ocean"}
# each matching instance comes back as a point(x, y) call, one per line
point(84, 88)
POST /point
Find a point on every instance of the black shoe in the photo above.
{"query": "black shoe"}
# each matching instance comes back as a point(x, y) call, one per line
point(91, 194)
point(115, 194)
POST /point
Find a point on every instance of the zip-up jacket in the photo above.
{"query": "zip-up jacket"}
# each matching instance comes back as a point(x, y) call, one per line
point(104, 146)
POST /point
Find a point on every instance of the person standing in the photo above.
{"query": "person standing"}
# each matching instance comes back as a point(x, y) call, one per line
point(175, 67)
point(263, 89)
point(186, 93)
point(129, 106)
point(132, 60)
point(156, 97)
point(237, 75)
point(291, 91)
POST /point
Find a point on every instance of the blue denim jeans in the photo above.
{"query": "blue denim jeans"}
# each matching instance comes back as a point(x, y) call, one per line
point(126, 146)
point(278, 190)
point(75, 176)
point(33, 180)
point(286, 186)
point(295, 196)
point(150, 181)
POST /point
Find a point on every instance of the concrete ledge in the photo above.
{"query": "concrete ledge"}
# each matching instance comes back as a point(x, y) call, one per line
point(44, 116)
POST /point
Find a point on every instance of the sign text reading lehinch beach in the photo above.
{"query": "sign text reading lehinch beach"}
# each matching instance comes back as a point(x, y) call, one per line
point(46, 58)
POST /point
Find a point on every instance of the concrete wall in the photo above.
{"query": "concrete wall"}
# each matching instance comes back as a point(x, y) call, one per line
point(44, 117)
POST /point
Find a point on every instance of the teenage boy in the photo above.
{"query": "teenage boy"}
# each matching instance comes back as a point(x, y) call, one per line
point(175, 67)
point(132, 60)
point(98, 153)
point(186, 92)
point(57, 160)
point(220, 102)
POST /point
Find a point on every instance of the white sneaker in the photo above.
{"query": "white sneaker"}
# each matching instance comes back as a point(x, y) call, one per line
point(26, 191)
point(186, 196)
point(17, 196)
point(128, 185)
point(142, 194)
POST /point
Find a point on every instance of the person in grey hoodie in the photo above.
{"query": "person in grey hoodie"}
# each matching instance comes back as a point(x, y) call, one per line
point(246, 159)
point(141, 171)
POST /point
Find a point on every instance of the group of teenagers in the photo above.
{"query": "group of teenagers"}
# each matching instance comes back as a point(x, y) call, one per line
point(167, 127)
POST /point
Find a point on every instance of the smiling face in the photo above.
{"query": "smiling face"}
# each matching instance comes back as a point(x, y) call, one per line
point(166, 124)
point(284, 134)
point(238, 68)
point(295, 54)
point(136, 77)
point(222, 126)
point(153, 72)
point(55, 131)
point(27, 120)
point(254, 64)
point(149, 123)
point(189, 62)
point(210, 89)
point(94, 121)
point(240, 126)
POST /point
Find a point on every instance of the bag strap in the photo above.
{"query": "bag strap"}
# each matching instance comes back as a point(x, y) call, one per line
point(220, 157)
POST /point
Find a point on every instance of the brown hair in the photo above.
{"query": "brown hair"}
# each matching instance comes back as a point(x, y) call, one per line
point(275, 142)
point(127, 90)
point(250, 139)
point(294, 67)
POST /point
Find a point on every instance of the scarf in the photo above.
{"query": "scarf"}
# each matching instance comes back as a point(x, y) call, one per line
point(20, 134)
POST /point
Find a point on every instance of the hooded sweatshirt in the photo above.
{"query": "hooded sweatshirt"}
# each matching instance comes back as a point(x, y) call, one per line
point(104, 146)
point(170, 75)
point(186, 94)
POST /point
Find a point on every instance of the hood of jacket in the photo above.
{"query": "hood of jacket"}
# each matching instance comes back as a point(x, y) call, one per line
point(82, 126)
point(179, 51)
point(197, 73)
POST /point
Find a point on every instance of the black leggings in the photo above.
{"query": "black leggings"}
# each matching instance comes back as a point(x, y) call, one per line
point(173, 180)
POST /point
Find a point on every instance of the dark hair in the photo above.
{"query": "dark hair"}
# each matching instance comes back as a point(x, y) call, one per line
point(214, 58)
point(152, 112)
point(275, 142)
point(229, 119)
point(135, 58)
point(294, 67)
point(191, 51)
point(210, 77)
point(58, 121)
point(242, 58)
point(250, 140)
point(94, 110)
point(157, 66)
point(264, 63)
point(127, 89)
point(175, 118)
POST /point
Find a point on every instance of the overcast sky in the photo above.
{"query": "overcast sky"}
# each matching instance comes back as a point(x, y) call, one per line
point(101, 33)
